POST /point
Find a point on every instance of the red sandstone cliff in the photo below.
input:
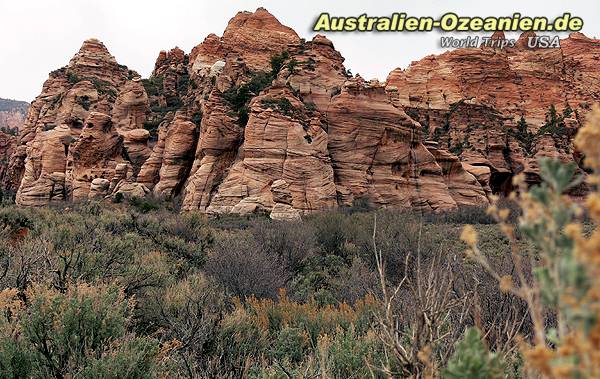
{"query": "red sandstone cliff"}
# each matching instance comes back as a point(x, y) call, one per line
point(259, 120)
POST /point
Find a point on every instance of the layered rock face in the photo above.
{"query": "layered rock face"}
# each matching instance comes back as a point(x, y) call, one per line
point(255, 37)
point(282, 141)
point(378, 152)
point(259, 120)
point(503, 108)
point(170, 160)
point(515, 81)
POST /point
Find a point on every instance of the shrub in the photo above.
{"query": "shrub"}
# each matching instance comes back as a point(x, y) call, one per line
point(84, 329)
point(4, 195)
point(88, 243)
point(290, 344)
point(349, 354)
point(291, 66)
point(554, 124)
point(15, 218)
point(197, 118)
point(145, 205)
point(183, 82)
point(239, 264)
point(471, 359)
point(118, 198)
point(524, 136)
point(84, 101)
point(133, 358)
point(153, 85)
point(362, 204)
point(9, 131)
point(293, 243)
point(462, 215)
point(287, 338)
point(239, 97)
point(189, 312)
point(330, 232)
point(152, 127)
point(317, 279)
point(457, 149)
point(311, 106)
point(283, 105)
point(355, 282)
point(72, 78)
point(184, 238)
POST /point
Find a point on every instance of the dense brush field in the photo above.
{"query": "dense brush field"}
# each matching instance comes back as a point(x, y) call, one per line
point(139, 290)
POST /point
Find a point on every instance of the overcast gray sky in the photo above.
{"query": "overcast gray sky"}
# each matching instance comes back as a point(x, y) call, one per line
point(40, 36)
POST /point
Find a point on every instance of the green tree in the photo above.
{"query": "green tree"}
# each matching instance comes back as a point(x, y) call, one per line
point(524, 136)
point(277, 62)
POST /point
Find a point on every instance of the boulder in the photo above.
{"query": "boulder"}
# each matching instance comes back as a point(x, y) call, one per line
point(284, 212)
point(99, 188)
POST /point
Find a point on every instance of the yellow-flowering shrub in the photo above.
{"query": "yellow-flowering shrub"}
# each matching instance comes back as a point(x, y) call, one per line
point(275, 338)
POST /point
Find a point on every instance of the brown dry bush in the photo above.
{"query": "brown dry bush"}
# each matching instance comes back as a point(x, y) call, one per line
point(239, 263)
point(292, 242)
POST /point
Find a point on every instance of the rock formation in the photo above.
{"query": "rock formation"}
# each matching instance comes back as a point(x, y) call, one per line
point(282, 141)
point(503, 108)
point(85, 122)
point(260, 120)
point(170, 161)
point(515, 81)
point(283, 209)
point(256, 37)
